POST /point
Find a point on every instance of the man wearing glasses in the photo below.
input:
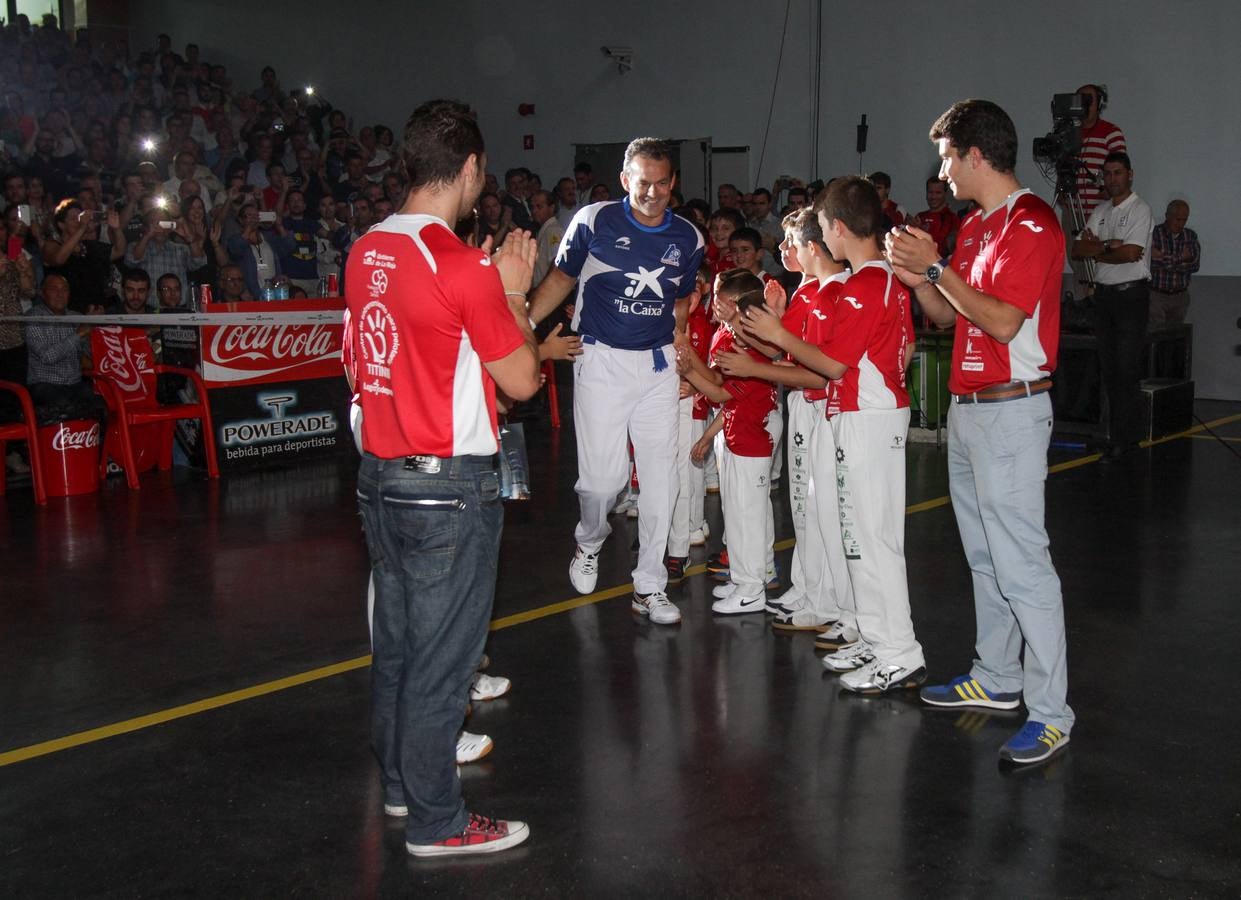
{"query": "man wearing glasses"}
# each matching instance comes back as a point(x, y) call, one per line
point(232, 285)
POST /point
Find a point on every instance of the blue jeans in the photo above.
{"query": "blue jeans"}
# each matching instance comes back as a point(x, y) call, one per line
point(997, 467)
point(433, 540)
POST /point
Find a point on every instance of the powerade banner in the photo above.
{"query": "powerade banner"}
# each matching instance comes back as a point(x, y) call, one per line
point(256, 425)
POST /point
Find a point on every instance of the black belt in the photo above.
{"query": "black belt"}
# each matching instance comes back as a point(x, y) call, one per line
point(997, 393)
point(1162, 291)
point(1123, 286)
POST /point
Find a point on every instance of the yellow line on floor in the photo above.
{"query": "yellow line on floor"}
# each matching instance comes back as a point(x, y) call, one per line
point(21, 754)
point(179, 712)
point(1212, 437)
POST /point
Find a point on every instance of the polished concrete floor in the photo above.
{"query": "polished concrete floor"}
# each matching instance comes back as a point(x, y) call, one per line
point(713, 759)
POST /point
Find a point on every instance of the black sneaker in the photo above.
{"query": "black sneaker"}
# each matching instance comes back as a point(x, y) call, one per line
point(676, 568)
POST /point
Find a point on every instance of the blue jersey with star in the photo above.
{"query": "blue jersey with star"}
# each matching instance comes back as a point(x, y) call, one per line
point(629, 275)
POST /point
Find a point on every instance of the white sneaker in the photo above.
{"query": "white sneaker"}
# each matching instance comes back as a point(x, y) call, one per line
point(800, 620)
point(584, 570)
point(854, 656)
point(878, 677)
point(472, 747)
point(627, 507)
point(698, 537)
point(737, 604)
point(657, 606)
point(838, 637)
point(787, 603)
point(723, 591)
point(488, 687)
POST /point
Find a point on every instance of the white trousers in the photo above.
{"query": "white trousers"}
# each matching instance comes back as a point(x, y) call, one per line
point(777, 457)
point(870, 470)
point(687, 512)
point(798, 469)
point(618, 397)
point(829, 590)
point(745, 496)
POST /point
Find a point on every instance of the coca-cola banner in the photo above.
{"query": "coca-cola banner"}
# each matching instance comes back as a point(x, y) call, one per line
point(123, 355)
point(261, 353)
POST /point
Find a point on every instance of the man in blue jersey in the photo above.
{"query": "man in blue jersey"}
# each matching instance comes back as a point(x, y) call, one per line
point(634, 264)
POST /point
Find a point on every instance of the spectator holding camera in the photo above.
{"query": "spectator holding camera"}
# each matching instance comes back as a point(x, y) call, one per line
point(157, 252)
point(74, 251)
point(255, 252)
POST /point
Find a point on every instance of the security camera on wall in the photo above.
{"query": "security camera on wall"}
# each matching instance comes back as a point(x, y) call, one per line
point(623, 56)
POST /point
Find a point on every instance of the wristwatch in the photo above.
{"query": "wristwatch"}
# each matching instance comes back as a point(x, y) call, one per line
point(932, 274)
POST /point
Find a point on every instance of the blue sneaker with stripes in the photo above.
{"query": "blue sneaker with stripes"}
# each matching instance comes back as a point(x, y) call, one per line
point(1035, 742)
point(966, 691)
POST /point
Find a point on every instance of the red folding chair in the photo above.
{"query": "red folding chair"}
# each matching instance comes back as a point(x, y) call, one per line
point(26, 430)
point(126, 377)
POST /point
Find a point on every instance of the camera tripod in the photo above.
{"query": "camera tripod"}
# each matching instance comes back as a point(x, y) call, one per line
point(1067, 198)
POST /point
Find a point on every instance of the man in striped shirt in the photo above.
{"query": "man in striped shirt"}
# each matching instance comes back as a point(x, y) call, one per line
point(1099, 138)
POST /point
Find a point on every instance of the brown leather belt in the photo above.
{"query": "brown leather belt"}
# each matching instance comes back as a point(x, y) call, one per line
point(997, 393)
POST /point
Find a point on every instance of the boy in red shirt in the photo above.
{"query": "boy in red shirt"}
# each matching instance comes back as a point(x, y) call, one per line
point(743, 446)
point(865, 351)
point(689, 527)
point(882, 182)
point(720, 227)
point(820, 596)
point(746, 248)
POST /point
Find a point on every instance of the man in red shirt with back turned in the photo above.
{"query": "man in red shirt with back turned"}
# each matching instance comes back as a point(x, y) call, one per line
point(434, 328)
point(1002, 291)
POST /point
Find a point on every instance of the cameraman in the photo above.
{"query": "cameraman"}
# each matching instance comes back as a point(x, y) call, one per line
point(1099, 138)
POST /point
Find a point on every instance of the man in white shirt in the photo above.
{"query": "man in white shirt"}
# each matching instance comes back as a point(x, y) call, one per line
point(543, 211)
point(1117, 238)
point(566, 200)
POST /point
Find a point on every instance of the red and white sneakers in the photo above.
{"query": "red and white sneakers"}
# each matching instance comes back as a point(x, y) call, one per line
point(481, 835)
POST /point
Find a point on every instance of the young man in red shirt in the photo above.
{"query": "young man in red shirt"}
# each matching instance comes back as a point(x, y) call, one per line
point(938, 220)
point(1001, 290)
point(435, 327)
point(864, 352)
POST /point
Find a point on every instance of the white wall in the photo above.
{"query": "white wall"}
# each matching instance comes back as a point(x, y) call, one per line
point(707, 68)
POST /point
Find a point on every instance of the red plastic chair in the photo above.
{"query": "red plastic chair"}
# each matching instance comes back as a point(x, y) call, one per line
point(125, 376)
point(553, 397)
point(26, 430)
